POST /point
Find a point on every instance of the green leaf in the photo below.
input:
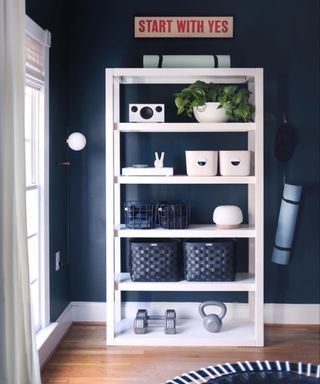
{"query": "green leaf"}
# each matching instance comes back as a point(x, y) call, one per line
point(234, 98)
point(198, 102)
point(199, 84)
point(230, 89)
point(237, 98)
point(212, 94)
point(198, 93)
point(180, 110)
point(223, 99)
point(244, 92)
point(180, 102)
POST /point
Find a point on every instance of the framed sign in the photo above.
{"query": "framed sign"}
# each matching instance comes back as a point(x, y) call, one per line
point(184, 26)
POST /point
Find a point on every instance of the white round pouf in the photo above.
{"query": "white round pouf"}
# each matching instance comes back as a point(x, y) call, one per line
point(227, 216)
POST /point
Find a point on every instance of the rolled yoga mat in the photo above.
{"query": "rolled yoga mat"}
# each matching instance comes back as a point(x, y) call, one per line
point(186, 61)
point(286, 223)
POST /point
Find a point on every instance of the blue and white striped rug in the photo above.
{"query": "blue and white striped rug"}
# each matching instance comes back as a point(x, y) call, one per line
point(253, 373)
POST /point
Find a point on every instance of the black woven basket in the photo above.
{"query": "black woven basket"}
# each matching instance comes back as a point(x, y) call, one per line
point(209, 260)
point(174, 215)
point(140, 214)
point(154, 260)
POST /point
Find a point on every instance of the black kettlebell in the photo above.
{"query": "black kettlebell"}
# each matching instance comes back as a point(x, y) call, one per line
point(212, 322)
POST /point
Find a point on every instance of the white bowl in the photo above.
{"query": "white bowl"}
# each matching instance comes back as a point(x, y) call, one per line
point(210, 113)
point(227, 216)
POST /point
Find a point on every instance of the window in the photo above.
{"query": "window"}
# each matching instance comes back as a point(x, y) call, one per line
point(36, 144)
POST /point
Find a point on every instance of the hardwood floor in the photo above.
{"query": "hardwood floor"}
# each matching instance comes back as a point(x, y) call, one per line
point(83, 356)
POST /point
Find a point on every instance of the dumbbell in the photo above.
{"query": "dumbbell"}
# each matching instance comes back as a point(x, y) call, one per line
point(141, 322)
point(168, 321)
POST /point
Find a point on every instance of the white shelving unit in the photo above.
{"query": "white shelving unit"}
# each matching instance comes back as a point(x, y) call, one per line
point(236, 331)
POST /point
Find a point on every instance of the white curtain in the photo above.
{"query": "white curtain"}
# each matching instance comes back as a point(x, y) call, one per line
point(19, 363)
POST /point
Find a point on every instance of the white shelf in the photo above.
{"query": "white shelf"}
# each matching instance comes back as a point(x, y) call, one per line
point(183, 75)
point(194, 230)
point(184, 127)
point(183, 179)
point(237, 330)
point(190, 332)
point(244, 282)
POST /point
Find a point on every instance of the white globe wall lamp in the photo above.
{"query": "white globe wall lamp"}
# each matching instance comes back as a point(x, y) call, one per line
point(75, 141)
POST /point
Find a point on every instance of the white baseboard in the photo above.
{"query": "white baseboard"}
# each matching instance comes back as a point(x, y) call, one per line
point(83, 311)
point(273, 313)
point(49, 337)
point(292, 314)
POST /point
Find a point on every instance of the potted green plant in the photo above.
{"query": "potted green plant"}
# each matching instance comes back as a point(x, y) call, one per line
point(231, 102)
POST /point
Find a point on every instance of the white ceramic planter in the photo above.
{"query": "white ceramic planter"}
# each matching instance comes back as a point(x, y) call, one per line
point(210, 113)
point(202, 163)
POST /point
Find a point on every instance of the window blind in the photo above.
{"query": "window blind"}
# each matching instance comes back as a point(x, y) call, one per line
point(34, 58)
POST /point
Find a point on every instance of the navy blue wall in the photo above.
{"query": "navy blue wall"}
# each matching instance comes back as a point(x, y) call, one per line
point(282, 37)
point(52, 15)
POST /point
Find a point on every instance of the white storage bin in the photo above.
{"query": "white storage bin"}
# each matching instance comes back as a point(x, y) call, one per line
point(234, 163)
point(202, 163)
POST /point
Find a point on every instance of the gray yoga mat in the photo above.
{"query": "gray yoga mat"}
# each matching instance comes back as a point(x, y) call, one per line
point(286, 223)
point(186, 61)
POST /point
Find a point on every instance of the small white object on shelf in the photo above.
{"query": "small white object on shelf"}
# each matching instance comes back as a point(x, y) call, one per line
point(234, 163)
point(158, 163)
point(227, 216)
point(146, 113)
point(149, 171)
point(202, 163)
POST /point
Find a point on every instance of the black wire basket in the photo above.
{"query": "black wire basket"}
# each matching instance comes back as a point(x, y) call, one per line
point(140, 214)
point(174, 215)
